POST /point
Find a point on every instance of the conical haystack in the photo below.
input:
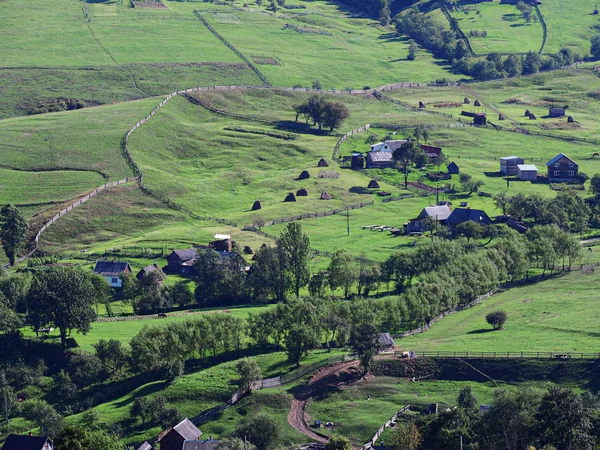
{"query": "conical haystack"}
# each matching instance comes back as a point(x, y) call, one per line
point(248, 250)
point(477, 103)
point(302, 193)
point(290, 197)
point(501, 117)
point(527, 113)
point(304, 175)
point(325, 196)
point(532, 116)
point(322, 163)
point(256, 206)
point(467, 101)
point(570, 119)
point(421, 105)
point(373, 184)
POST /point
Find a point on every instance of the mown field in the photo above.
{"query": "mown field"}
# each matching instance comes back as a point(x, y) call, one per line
point(554, 316)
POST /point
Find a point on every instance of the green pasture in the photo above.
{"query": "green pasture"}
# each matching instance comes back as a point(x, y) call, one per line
point(555, 315)
point(570, 25)
point(506, 29)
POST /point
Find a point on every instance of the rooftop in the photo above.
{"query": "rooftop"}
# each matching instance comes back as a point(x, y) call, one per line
point(111, 268)
point(526, 167)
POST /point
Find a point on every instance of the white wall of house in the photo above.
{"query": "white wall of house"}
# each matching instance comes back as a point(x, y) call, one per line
point(115, 282)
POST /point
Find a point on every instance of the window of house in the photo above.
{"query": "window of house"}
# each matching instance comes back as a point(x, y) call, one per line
point(114, 280)
point(570, 165)
point(571, 173)
point(557, 164)
point(557, 173)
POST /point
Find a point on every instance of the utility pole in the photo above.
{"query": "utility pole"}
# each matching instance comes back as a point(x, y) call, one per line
point(461, 447)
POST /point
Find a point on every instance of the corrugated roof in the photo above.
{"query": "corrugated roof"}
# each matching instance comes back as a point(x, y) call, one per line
point(145, 446)
point(508, 158)
point(460, 215)
point(526, 167)
point(440, 212)
point(187, 254)
point(201, 445)
point(391, 146)
point(386, 340)
point(380, 156)
point(557, 158)
point(22, 442)
point(111, 268)
point(187, 430)
point(431, 149)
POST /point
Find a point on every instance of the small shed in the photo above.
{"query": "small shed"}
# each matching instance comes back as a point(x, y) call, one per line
point(386, 342)
point(453, 168)
point(373, 184)
point(325, 196)
point(322, 163)
point(508, 164)
point(556, 112)
point(173, 438)
point(527, 172)
point(477, 103)
point(358, 161)
point(480, 119)
point(304, 175)
point(302, 193)
point(290, 197)
point(256, 206)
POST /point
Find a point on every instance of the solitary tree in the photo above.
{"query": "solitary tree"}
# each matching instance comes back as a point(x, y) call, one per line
point(595, 46)
point(412, 51)
point(334, 114)
point(13, 231)
point(296, 246)
point(249, 371)
point(62, 297)
point(496, 319)
point(365, 343)
point(342, 271)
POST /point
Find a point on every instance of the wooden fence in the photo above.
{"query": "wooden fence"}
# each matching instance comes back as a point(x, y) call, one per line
point(336, 149)
point(494, 355)
point(369, 445)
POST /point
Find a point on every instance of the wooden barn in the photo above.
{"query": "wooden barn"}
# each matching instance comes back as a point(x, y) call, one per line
point(557, 112)
point(433, 153)
point(480, 119)
point(181, 261)
point(381, 154)
point(173, 438)
point(453, 168)
point(527, 172)
point(508, 164)
point(113, 271)
point(358, 161)
point(439, 213)
point(561, 168)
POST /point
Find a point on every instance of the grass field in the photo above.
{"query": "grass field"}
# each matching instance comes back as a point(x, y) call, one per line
point(570, 25)
point(556, 315)
point(506, 30)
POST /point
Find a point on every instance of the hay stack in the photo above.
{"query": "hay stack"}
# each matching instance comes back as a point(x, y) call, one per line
point(527, 113)
point(325, 196)
point(467, 101)
point(570, 119)
point(501, 117)
point(290, 197)
point(322, 163)
point(302, 193)
point(532, 116)
point(421, 105)
point(256, 206)
point(373, 184)
point(304, 175)
point(477, 103)
point(248, 250)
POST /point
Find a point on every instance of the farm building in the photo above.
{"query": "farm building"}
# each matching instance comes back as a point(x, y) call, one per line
point(222, 243)
point(453, 168)
point(173, 438)
point(461, 215)
point(480, 119)
point(145, 446)
point(561, 168)
point(113, 271)
point(556, 112)
point(150, 269)
point(386, 342)
point(207, 444)
point(508, 164)
point(419, 224)
point(433, 153)
point(23, 442)
point(527, 172)
point(179, 260)
point(358, 161)
point(380, 155)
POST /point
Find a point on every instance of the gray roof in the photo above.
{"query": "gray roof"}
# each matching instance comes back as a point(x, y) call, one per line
point(187, 430)
point(460, 215)
point(440, 212)
point(23, 442)
point(148, 270)
point(200, 445)
point(526, 167)
point(386, 340)
point(145, 446)
point(111, 268)
point(391, 146)
point(380, 156)
point(509, 158)
point(187, 254)
point(557, 158)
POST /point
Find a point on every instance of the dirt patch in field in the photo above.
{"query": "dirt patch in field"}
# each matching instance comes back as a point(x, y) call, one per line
point(265, 61)
point(447, 105)
point(149, 4)
point(560, 126)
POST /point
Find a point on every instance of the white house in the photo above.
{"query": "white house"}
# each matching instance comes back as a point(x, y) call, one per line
point(527, 172)
point(113, 271)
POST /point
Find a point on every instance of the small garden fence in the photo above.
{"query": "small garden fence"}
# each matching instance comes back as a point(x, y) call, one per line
point(369, 445)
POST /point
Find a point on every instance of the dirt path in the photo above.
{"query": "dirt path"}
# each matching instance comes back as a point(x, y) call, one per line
point(331, 376)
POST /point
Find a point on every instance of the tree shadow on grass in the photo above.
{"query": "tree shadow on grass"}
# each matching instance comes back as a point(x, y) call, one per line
point(481, 331)
point(300, 127)
point(360, 190)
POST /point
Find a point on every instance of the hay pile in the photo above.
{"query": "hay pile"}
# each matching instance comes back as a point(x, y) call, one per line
point(256, 206)
point(302, 193)
point(322, 163)
point(467, 101)
point(421, 105)
point(290, 197)
point(373, 184)
point(304, 175)
point(325, 196)
point(477, 103)
point(328, 174)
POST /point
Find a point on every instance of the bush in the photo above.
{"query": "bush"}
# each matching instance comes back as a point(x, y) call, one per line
point(496, 319)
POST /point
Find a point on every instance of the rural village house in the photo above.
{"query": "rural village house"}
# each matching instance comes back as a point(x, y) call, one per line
point(179, 260)
point(381, 154)
point(173, 438)
point(207, 444)
point(461, 215)
point(150, 269)
point(432, 153)
point(113, 271)
point(438, 212)
point(561, 168)
point(22, 442)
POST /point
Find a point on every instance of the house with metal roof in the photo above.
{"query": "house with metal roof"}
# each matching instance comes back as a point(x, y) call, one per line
point(113, 271)
point(527, 172)
point(439, 213)
point(386, 342)
point(174, 437)
point(179, 260)
point(153, 268)
point(562, 169)
point(461, 215)
point(508, 164)
point(207, 444)
point(381, 154)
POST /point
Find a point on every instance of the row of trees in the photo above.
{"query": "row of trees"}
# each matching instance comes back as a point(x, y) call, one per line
point(322, 112)
point(523, 419)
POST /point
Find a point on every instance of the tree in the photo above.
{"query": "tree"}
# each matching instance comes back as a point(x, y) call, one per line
point(7, 398)
point(299, 340)
point(317, 85)
point(235, 443)
point(169, 417)
point(334, 114)
point(45, 417)
point(365, 343)
point(342, 271)
point(142, 407)
point(532, 63)
point(412, 51)
point(502, 200)
point(406, 154)
point(466, 400)
point(469, 229)
point(74, 437)
point(111, 353)
point(249, 371)
point(595, 182)
point(526, 10)
point(338, 443)
point(469, 184)
point(406, 437)
point(180, 294)
point(268, 275)
point(595, 46)
point(262, 430)
point(13, 231)
point(496, 319)
point(62, 297)
point(296, 246)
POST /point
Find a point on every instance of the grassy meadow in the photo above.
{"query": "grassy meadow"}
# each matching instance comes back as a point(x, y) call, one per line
point(554, 316)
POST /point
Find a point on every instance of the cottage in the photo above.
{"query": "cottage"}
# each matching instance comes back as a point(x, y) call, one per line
point(461, 215)
point(386, 343)
point(381, 154)
point(561, 168)
point(453, 168)
point(22, 442)
point(508, 164)
point(173, 438)
point(207, 444)
point(146, 271)
point(439, 213)
point(113, 271)
point(556, 112)
point(433, 153)
point(527, 172)
point(180, 261)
